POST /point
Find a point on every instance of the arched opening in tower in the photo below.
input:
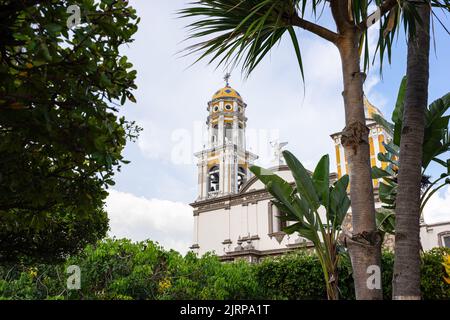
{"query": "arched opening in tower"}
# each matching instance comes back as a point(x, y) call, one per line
point(241, 178)
point(214, 179)
point(215, 133)
point(228, 133)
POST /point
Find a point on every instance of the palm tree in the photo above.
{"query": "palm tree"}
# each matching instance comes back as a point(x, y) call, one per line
point(435, 148)
point(406, 277)
point(412, 122)
point(244, 31)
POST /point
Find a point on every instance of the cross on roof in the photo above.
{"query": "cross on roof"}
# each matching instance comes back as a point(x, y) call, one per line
point(227, 79)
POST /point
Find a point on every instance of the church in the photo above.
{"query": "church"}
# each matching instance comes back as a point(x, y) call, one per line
point(233, 213)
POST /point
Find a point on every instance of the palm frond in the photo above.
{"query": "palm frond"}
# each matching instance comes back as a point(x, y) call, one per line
point(232, 32)
point(405, 13)
point(243, 31)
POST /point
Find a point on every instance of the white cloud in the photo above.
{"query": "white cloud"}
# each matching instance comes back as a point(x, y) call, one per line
point(438, 207)
point(149, 141)
point(137, 218)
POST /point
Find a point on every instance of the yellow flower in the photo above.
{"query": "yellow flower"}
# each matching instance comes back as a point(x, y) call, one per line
point(446, 264)
point(33, 272)
point(164, 285)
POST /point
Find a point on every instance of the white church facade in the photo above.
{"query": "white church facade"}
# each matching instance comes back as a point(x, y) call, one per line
point(233, 213)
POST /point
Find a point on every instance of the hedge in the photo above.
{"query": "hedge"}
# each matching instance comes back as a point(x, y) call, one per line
point(120, 269)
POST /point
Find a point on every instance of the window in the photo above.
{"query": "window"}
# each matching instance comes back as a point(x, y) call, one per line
point(241, 136)
point(241, 177)
point(213, 179)
point(215, 133)
point(444, 239)
point(216, 108)
point(228, 107)
point(228, 133)
point(276, 225)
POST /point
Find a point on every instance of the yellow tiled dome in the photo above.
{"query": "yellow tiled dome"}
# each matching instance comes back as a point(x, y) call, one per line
point(227, 92)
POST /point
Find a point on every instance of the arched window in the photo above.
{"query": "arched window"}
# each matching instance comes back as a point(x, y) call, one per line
point(228, 132)
point(241, 135)
point(241, 177)
point(215, 133)
point(213, 179)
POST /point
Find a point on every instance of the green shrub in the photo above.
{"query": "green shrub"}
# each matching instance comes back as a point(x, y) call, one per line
point(433, 285)
point(298, 276)
point(293, 276)
point(122, 270)
point(208, 278)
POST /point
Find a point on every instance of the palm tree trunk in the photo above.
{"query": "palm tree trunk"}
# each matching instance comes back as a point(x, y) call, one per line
point(406, 279)
point(365, 244)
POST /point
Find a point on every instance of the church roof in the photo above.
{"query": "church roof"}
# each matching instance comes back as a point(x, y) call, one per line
point(227, 92)
point(370, 109)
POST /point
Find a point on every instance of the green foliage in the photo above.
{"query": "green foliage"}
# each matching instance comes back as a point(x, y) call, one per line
point(122, 270)
point(61, 138)
point(64, 232)
point(433, 285)
point(293, 277)
point(118, 269)
point(298, 277)
point(385, 220)
point(436, 146)
point(436, 138)
point(301, 204)
point(208, 278)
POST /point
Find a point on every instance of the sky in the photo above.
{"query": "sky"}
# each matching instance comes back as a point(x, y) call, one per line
point(152, 194)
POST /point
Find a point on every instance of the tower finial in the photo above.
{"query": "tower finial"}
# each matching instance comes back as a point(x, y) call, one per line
point(227, 78)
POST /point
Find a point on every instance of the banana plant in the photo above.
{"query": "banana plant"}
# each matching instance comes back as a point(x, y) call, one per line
point(436, 144)
point(300, 204)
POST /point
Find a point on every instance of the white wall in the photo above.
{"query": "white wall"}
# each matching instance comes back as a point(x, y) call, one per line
point(429, 234)
point(253, 220)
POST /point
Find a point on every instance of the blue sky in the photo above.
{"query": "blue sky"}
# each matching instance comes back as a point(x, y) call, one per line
point(152, 193)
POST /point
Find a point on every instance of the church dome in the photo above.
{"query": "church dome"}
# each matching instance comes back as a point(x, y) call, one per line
point(227, 92)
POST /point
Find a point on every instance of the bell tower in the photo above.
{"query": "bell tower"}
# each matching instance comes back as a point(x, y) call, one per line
point(223, 165)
